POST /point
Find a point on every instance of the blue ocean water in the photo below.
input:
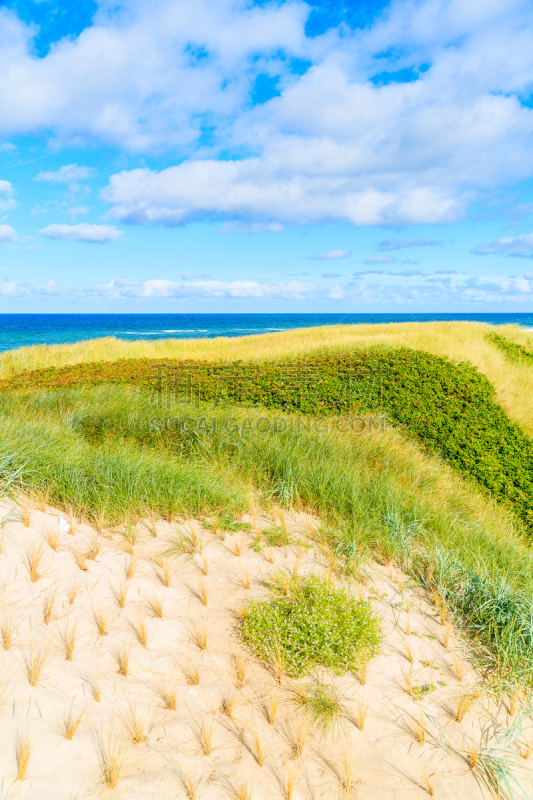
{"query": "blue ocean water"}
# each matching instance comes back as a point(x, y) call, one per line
point(20, 330)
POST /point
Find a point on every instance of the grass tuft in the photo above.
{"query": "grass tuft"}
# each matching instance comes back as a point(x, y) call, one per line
point(51, 538)
point(154, 605)
point(112, 750)
point(140, 629)
point(48, 604)
point(7, 629)
point(67, 637)
point(34, 661)
point(240, 665)
point(138, 721)
point(102, 619)
point(119, 593)
point(192, 672)
point(168, 693)
point(322, 703)
point(122, 655)
point(23, 749)
point(228, 702)
point(69, 723)
point(201, 636)
point(33, 561)
point(204, 731)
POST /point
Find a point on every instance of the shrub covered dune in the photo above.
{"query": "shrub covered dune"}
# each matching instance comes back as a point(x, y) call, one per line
point(444, 486)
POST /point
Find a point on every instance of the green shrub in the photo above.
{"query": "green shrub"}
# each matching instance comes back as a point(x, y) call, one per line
point(449, 407)
point(513, 350)
point(313, 624)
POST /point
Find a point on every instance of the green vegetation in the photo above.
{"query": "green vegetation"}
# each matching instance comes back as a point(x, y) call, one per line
point(322, 703)
point(313, 623)
point(513, 350)
point(108, 483)
point(112, 451)
point(276, 536)
point(497, 615)
point(449, 407)
point(419, 692)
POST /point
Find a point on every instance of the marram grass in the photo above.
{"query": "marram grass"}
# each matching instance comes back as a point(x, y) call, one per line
point(375, 491)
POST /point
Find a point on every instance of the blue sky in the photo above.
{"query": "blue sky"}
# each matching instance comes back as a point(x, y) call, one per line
point(223, 155)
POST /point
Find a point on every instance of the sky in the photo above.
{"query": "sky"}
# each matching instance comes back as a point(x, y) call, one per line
point(239, 156)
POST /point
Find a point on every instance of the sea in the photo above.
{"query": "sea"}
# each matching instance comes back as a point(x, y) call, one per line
point(21, 330)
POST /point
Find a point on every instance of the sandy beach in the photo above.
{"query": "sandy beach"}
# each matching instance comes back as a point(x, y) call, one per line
point(123, 674)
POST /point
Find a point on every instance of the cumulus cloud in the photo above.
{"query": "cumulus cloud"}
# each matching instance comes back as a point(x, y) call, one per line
point(332, 255)
point(94, 234)
point(517, 246)
point(10, 288)
point(7, 233)
point(334, 145)
point(259, 187)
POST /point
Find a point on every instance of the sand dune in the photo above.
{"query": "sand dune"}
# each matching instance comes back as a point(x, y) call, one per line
point(122, 674)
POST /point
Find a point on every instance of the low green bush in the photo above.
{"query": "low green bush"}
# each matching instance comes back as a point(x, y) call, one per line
point(449, 407)
point(513, 350)
point(313, 623)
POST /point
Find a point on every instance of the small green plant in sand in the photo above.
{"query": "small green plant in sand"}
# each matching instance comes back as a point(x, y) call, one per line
point(313, 623)
point(276, 536)
point(322, 703)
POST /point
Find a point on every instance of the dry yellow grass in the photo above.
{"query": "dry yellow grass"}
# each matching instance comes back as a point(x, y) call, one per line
point(513, 382)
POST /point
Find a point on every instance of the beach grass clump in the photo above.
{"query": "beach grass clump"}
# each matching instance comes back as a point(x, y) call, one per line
point(313, 624)
point(117, 477)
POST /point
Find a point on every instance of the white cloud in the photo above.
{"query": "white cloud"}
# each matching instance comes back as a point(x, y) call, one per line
point(332, 146)
point(433, 291)
point(332, 255)
point(68, 173)
point(237, 226)
point(7, 233)
point(94, 234)
point(519, 246)
point(7, 201)
point(379, 260)
point(404, 244)
point(214, 290)
point(255, 187)
point(406, 273)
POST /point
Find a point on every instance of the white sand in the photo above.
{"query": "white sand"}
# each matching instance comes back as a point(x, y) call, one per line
point(385, 758)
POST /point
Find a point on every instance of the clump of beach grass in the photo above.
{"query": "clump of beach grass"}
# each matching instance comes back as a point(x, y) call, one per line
point(33, 561)
point(34, 661)
point(69, 723)
point(323, 704)
point(112, 750)
point(67, 638)
point(23, 748)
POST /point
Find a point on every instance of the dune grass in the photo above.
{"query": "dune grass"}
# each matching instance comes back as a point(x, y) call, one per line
point(457, 340)
point(114, 481)
point(375, 491)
